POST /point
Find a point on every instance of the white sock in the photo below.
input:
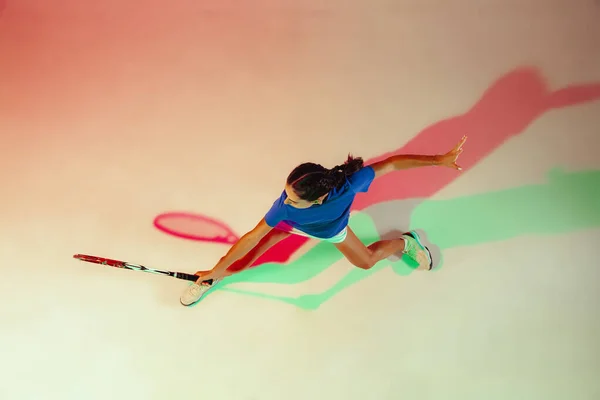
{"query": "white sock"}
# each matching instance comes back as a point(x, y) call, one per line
point(407, 244)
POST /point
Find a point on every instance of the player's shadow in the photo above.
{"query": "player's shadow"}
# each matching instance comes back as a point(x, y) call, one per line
point(503, 111)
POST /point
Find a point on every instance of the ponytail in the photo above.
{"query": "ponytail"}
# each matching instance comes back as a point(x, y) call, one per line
point(340, 172)
point(311, 181)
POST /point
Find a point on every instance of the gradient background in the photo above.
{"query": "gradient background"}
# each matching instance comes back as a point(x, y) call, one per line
point(113, 112)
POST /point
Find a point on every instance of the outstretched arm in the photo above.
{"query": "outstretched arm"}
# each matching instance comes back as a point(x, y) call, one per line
point(242, 247)
point(406, 161)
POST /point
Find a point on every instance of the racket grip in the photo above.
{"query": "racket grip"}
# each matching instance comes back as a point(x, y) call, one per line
point(187, 277)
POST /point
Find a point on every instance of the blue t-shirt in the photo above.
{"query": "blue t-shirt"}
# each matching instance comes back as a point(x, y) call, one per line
point(323, 220)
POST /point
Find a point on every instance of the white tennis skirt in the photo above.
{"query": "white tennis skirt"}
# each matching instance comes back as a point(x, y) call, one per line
point(338, 238)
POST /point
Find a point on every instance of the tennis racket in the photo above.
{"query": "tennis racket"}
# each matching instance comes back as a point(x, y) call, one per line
point(134, 267)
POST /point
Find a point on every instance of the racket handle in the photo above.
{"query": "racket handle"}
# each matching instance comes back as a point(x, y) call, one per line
point(187, 277)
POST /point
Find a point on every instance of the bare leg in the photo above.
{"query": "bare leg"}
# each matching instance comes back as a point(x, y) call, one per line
point(272, 238)
point(366, 257)
point(194, 292)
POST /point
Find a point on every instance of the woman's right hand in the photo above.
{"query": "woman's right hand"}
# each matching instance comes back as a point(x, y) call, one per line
point(204, 275)
point(245, 244)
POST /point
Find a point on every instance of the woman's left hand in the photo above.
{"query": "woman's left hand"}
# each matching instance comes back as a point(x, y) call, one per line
point(449, 159)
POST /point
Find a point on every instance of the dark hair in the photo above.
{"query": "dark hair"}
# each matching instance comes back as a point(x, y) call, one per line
point(311, 181)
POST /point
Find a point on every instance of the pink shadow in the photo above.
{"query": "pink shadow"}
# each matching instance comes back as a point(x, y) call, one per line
point(505, 110)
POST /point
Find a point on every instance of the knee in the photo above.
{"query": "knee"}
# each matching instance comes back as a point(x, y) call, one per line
point(364, 264)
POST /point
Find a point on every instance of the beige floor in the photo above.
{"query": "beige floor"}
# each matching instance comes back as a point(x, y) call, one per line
point(115, 112)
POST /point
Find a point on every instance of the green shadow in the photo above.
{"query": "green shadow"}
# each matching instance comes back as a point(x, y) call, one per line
point(567, 202)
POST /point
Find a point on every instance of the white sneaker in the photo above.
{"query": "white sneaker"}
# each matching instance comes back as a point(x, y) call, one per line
point(195, 291)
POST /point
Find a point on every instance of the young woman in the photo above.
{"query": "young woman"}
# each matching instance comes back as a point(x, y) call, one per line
point(316, 202)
